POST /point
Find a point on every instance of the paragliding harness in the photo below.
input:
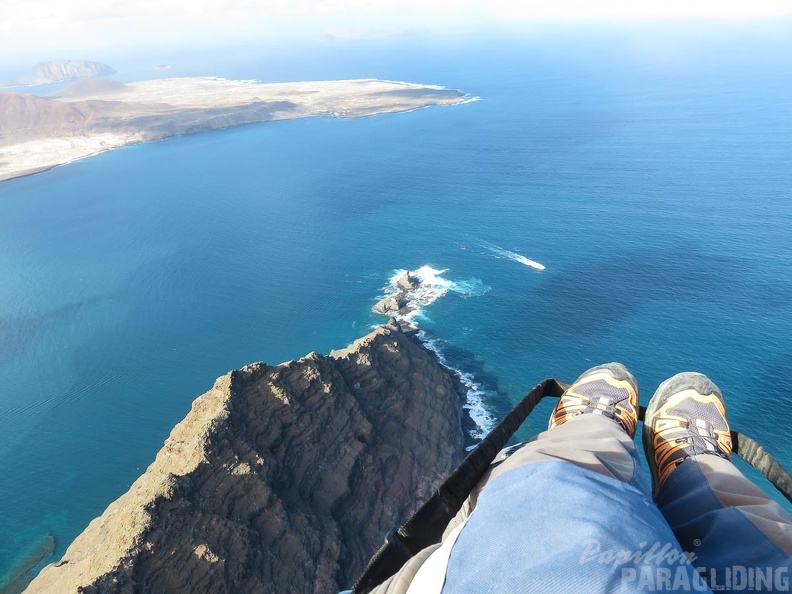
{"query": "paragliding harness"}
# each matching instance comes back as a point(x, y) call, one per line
point(426, 526)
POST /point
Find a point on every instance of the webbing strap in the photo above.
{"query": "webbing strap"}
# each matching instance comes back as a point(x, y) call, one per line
point(757, 456)
point(427, 525)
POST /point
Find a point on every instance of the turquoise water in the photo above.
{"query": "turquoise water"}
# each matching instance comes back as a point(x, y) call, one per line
point(655, 188)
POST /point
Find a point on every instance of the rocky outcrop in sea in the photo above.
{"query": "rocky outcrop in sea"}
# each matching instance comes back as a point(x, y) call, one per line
point(398, 299)
point(281, 478)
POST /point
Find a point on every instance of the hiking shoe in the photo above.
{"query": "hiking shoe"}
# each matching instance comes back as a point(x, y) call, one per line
point(608, 390)
point(685, 417)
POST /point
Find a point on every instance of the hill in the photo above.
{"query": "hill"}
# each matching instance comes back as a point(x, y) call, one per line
point(60, 70)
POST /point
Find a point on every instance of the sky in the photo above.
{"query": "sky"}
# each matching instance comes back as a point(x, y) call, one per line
point(54, 28)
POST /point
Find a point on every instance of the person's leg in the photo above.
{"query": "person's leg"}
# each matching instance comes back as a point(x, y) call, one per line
point(567, 511)
point(600, 444)
point(740, 538)
point(594, 441)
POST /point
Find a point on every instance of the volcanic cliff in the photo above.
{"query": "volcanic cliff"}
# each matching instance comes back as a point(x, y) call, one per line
point(281, 478)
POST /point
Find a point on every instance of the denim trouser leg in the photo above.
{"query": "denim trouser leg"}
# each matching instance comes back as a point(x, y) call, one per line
point(742, 540)
point(589, 441)
point(568, 511)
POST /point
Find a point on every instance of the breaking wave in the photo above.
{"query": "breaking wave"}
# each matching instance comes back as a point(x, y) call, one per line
point(430, 286)
point(474, 393)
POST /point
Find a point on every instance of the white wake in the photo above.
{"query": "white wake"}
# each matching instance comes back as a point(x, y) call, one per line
point(514, 256)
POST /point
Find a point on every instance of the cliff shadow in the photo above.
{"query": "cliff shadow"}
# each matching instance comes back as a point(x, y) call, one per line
point(460, 360)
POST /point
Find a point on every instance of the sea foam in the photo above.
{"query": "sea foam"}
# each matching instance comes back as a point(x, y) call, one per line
point(474, 393)
point(431, 286)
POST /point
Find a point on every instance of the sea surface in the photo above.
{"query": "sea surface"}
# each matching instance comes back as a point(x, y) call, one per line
point(651, 178)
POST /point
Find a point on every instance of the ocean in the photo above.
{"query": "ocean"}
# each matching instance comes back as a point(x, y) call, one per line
point(650, 176)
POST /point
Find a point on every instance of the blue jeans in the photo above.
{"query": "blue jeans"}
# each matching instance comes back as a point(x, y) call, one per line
point(743, 538)
point(571, 511)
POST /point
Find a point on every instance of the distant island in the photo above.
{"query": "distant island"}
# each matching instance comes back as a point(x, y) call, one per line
point(93, 115)
point(60, 70)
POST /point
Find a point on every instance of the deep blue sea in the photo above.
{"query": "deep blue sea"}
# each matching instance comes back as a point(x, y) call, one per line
point(652, 179)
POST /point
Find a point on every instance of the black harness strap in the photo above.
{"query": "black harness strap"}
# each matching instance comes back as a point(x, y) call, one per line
point(757, 456)
point(426, 526)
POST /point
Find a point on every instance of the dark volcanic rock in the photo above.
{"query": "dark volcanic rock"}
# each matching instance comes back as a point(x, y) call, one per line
point(281, 478)
point(391, 304)
point(407, 282)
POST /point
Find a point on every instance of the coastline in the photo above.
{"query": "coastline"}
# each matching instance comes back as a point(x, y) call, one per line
point(321, 455)
point(45, 168)
point(403, 298)
point(90, 123)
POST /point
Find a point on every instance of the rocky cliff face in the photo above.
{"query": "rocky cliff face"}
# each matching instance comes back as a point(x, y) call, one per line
point(280, 479)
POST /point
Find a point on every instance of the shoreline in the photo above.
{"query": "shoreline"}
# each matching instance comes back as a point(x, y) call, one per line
point(93, 121)
point(403, 300)
point(45, 169)
point(214, 496)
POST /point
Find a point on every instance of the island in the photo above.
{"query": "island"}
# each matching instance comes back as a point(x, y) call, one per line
point(281, 478)
point(60, 70)
point(94, 115)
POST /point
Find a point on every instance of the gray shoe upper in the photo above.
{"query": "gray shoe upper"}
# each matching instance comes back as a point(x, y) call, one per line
point(694, 425)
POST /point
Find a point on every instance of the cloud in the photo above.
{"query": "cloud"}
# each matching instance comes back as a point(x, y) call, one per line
point(619, 9)
point(87, 23)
